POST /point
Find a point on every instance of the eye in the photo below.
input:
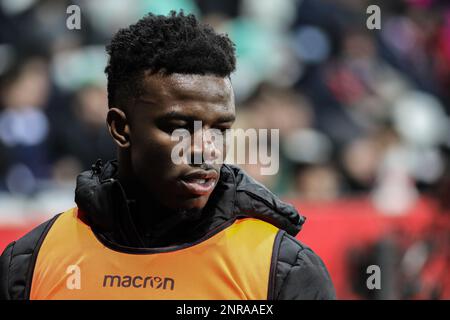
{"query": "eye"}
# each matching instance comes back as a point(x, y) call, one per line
point(223, 127)
point(170, 127)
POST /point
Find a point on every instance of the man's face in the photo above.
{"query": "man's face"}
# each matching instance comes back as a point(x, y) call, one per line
point(167, 103)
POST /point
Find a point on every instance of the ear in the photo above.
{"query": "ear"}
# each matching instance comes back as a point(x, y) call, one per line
point(118, 127)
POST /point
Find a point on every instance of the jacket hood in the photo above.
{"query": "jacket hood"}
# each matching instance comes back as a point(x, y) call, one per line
point(103, 202)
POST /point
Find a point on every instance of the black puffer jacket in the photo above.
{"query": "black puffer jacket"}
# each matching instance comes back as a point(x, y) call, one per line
point(297, 272)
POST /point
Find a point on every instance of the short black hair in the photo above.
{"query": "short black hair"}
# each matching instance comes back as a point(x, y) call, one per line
point(176, 43)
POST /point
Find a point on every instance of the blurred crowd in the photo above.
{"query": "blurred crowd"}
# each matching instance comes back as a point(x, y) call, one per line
point(360, 112)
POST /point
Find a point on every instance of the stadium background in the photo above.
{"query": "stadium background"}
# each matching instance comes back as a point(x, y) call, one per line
point(363, 118)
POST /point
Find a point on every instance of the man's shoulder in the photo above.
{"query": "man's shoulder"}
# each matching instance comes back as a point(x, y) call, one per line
point(17, 259)
point(28, 242)
point(299, 272)
point(291, 251)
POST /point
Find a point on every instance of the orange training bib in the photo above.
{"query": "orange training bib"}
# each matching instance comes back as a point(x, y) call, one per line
point(232, 264)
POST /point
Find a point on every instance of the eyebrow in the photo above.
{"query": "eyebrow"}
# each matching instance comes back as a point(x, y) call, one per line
point(146, 101)
point(175, 115)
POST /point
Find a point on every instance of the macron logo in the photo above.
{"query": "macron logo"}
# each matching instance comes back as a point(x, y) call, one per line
point(116, 281)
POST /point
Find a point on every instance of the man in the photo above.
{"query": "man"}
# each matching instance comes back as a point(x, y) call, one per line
point(147, 228)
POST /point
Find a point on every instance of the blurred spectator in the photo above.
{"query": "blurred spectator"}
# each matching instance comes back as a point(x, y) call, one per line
point(317, 183)
point(24, 127)
point(80, 134)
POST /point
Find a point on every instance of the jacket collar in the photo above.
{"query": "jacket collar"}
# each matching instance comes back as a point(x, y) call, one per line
point(102, 200)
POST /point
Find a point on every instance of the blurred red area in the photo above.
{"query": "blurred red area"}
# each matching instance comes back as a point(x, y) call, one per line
point(351, 234)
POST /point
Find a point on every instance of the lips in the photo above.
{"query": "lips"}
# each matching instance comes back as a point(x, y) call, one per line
point(200, 182)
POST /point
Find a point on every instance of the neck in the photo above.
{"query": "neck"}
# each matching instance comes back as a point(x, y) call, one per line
point(158, 225)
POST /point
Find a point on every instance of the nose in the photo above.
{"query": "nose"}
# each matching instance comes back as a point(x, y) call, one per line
point(207, 146)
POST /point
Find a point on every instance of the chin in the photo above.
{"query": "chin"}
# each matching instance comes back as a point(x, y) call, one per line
point(197, 203)
point(191, 209)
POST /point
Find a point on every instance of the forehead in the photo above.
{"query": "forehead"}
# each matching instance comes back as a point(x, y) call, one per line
point(191, 89)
